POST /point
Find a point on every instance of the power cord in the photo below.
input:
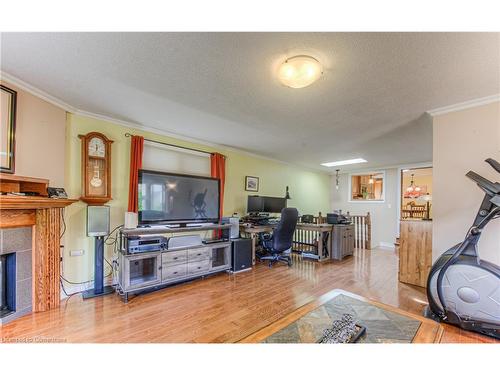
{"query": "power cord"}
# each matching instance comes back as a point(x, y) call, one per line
point(64, 224)
point(113, 265)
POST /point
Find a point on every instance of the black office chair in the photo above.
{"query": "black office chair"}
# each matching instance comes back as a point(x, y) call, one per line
point(279, 244)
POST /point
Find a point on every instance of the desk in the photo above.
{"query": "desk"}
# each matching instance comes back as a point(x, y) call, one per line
point(324, 236)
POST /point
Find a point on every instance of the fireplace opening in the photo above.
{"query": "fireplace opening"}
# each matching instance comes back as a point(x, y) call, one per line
point(7, 284)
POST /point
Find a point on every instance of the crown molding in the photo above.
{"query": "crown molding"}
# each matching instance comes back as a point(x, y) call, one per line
point(464, 105)
point(9, 78)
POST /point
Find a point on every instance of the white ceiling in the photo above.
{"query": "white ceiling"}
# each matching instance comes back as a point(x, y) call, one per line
point(222, 87)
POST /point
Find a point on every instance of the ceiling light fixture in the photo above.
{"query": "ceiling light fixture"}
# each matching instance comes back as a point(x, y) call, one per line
point(299, 71)
point(413, 190)
point(344, 162)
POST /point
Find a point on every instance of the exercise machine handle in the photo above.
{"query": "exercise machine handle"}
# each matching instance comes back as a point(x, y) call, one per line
point(484, 183)
point(494, 164)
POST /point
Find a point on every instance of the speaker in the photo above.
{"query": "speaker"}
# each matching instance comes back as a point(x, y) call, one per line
point(98, 227)
point(97, 221)
point(130, 220)
point(241, 251)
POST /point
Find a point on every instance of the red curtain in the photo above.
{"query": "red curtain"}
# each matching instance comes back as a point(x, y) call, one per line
point(218, 170)
point(136, 148)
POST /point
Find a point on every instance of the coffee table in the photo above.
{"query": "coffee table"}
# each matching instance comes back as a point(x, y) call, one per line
point(384, 323)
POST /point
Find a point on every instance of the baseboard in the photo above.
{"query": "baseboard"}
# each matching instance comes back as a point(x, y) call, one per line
point(387, 245)
point(78, 288)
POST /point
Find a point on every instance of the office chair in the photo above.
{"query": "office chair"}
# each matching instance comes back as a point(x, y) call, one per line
point(279, 244)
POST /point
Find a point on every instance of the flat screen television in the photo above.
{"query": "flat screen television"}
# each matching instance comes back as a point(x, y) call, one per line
point(169, 198)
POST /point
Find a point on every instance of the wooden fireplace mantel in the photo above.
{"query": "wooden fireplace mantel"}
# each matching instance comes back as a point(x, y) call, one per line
point(11, 202)
point(44, 215)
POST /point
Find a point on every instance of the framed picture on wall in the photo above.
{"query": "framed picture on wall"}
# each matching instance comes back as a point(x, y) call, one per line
point(7, 129)
point(251, 183)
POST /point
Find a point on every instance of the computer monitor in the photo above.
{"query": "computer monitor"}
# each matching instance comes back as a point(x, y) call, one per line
point(255, 204)
point(274, 204)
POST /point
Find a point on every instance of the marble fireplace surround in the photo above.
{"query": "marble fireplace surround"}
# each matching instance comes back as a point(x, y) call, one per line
point(19, 241)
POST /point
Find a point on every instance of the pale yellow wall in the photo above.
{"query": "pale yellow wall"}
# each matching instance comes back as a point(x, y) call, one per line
point(40, 138)
point(309, 190)
point(462, 141)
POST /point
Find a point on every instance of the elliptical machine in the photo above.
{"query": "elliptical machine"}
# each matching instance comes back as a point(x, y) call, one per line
point(462, 289)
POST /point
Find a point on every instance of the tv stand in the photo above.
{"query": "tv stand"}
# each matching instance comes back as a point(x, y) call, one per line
point(152, 270)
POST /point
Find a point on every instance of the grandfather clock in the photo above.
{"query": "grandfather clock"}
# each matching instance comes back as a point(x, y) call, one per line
point(96, 168)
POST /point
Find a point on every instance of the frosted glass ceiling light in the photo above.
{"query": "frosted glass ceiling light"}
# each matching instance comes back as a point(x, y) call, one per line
point(299, 71)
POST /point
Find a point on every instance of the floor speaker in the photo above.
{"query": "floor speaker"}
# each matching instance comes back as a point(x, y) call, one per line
point(241, 251)
point(98, 227)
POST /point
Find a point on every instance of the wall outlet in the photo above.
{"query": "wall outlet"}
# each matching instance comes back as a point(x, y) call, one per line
point(76, 253)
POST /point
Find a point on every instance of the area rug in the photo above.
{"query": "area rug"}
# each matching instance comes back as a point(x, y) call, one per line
point(382, 326)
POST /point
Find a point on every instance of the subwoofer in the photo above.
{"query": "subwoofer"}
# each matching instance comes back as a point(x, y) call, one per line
point(241, 259)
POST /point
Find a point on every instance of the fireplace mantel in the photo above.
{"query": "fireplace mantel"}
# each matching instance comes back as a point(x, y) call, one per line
point(43, 214)
point(11, 202)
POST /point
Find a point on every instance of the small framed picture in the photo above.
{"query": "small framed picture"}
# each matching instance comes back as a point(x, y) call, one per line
point(251, 183)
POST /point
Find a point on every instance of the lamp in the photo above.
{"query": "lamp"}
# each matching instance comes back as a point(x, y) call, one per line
point(370, 181)
point(287, 195)
point(299, 71)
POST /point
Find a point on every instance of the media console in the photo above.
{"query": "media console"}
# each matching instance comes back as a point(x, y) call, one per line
point(155, 269)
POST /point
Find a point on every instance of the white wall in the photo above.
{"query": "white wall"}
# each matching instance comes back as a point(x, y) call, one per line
point(384, 214)
point(462, 140)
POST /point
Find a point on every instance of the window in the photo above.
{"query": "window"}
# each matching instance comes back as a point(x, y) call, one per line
point(367, 187)
point(163, 158)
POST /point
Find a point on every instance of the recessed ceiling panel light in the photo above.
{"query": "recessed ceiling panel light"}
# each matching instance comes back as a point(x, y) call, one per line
point(299, 71)
point(344, 162)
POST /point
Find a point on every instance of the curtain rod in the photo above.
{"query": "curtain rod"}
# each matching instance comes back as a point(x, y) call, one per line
point(177, 146)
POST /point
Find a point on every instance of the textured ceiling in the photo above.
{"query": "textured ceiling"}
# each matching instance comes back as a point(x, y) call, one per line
point(222, 87)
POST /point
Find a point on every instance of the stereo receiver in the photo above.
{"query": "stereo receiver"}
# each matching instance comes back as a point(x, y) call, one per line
point(134, 245)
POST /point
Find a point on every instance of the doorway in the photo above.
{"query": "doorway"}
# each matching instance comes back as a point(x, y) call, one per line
point(416, 194)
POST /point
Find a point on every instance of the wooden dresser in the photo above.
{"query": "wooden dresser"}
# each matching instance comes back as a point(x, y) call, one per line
point(415, 251)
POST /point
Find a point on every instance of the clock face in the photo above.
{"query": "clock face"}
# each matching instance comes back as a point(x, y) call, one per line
point(97, 147)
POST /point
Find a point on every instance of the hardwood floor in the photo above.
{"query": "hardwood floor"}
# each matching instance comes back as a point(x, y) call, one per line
point(224, 308)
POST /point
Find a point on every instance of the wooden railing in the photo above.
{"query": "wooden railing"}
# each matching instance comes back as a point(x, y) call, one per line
point(317, 241)
point(312, 241)
point(362, 230)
